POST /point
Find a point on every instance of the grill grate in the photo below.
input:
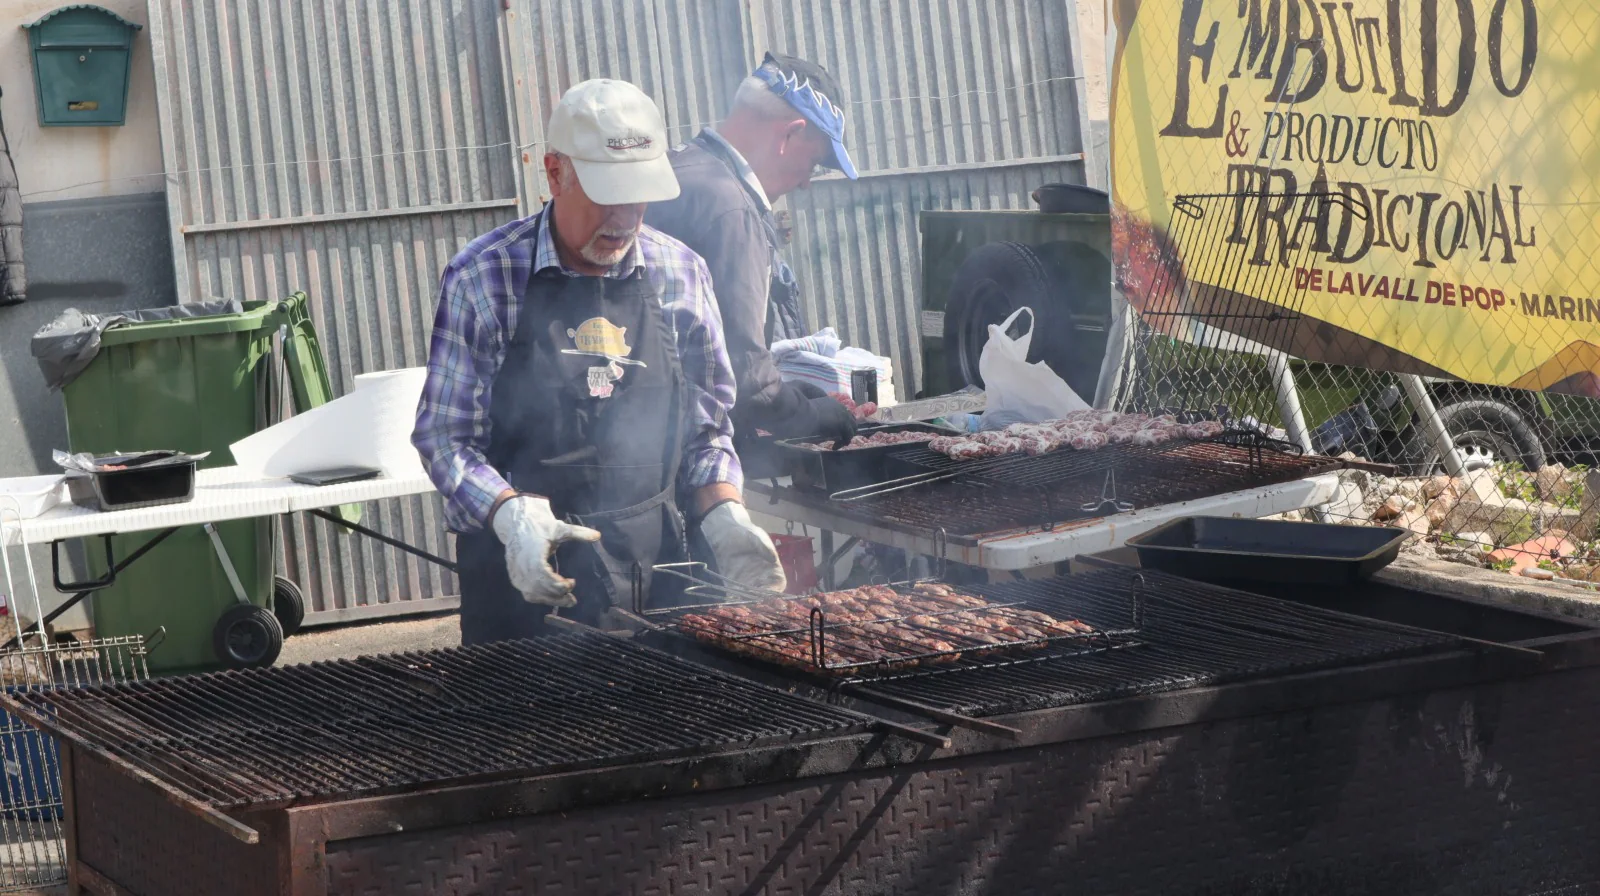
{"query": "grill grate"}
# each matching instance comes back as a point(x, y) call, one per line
point(384, 724)
point(1054, 488)
point(1192, 635)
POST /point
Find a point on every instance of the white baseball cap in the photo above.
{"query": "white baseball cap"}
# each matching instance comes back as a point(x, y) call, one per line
point(617, 141)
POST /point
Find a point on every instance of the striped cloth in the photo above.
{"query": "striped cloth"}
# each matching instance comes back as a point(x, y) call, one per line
point(820, 359)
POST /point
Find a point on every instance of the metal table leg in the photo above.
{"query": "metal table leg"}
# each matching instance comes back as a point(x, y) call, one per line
point(78, 597)
point(379, 536)
point(227, 564)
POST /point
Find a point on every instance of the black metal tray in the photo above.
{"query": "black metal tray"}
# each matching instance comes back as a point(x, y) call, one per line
point(1229, 549)
point(150, 479)
point(834, 471)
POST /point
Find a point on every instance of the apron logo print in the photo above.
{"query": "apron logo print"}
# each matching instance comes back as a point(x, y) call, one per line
point(598, 336)
point(603, 380)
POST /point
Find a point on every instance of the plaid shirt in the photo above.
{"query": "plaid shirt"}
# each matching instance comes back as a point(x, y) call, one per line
point(475, 323)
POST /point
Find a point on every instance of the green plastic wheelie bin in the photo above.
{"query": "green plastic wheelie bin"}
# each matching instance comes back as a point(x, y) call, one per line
point(196, 384)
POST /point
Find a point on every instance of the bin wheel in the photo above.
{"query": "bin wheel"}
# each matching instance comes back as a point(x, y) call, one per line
point(247, 637)
point(288, 604)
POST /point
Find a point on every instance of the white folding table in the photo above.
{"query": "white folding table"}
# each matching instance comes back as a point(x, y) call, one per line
point(220, 495)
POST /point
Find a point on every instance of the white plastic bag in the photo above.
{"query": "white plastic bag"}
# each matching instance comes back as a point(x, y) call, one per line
point(1017, 390)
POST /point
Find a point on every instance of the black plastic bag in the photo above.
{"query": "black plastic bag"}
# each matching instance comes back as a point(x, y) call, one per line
point(67, 345)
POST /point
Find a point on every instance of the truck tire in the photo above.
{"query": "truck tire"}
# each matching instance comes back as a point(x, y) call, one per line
point(1486, 433)
point(1059, 281)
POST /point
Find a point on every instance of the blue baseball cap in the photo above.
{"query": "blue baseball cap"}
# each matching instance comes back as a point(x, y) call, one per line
point(815, 95)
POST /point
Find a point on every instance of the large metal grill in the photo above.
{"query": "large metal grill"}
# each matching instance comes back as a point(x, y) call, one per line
point(1067, 486)
point(1192, 635)
point(385, 724)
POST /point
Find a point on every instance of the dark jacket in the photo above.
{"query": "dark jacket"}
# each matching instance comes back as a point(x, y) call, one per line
point(717, 217)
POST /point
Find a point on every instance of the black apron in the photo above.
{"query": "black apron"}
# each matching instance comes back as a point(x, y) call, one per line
point(604, 450)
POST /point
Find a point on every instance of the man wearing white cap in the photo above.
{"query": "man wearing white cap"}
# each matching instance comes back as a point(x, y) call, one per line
point(578, 385)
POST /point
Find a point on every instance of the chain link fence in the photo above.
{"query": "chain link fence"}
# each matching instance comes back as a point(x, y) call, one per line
point(1487, 476)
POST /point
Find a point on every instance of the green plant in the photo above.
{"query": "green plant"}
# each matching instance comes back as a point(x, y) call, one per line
point(1503, 565)
point(1550, 565)
point(1580, 477)
point(1514, 482)
point(1518, 533)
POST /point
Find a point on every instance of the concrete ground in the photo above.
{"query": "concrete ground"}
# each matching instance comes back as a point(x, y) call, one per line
point(1561, 598)
point(396, 636)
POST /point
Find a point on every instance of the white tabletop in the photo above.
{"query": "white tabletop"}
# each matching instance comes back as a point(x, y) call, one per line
point(223, 493)
point(1033, 548)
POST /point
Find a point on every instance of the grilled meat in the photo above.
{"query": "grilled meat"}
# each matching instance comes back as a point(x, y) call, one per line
point(875, 624)
point(1079, 430)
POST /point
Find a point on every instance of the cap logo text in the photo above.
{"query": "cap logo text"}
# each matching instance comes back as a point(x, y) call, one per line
point(626, 143)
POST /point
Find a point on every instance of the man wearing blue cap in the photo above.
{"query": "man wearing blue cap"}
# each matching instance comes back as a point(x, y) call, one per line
point(786, 123)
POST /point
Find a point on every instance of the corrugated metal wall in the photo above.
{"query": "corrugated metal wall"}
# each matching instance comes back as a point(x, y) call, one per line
point(347, 150)
point(687, 54)
point(952, 105)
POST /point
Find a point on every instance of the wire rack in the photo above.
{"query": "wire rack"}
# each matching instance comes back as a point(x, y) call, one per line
point(32, 842)
point(912, 626)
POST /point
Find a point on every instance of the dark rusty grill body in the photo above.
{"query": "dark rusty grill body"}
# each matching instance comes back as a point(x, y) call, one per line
point(1452, 771)
point(1055, 489)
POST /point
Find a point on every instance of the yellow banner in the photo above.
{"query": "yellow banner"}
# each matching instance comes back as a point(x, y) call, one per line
point(1417, 180)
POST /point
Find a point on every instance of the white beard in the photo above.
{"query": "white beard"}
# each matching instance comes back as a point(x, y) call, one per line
point(593, 254)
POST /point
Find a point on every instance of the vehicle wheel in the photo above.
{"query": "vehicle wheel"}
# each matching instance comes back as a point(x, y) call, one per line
point(247, 637)
point(1057, 281)
point(1486, 433)
point(288, 604)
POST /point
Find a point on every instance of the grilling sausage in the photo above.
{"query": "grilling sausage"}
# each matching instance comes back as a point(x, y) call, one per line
point(876, 624)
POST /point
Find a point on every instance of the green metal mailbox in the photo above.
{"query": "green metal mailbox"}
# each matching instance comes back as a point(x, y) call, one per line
point(81, 57)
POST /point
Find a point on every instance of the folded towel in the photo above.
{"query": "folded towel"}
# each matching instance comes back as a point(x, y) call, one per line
point(832, 375)
point(824, 342)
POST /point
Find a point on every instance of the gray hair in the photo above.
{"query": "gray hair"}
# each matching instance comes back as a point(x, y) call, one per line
point(755, 97)
point(569, 175)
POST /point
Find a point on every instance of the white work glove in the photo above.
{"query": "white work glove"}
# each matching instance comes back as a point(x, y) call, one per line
point(531, 534)
point(743, 552)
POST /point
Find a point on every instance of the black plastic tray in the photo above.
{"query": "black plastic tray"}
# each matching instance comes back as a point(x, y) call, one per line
point(1229, 549)
point(835, 471)
point(151, 480)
